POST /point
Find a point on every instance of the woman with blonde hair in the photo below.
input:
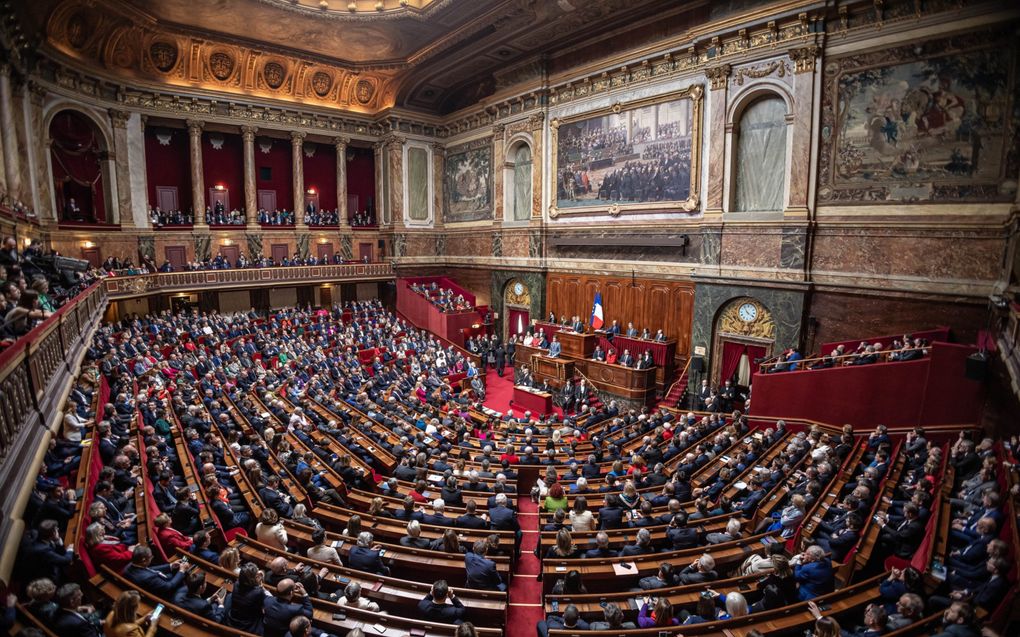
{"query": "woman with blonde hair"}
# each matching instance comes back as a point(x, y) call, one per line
point(105, 549)
point(123, 620)
point(564, 548)
point(74, 425)
point(630, 498)
point(377, 507)
point(230, 559)
point(170, 538)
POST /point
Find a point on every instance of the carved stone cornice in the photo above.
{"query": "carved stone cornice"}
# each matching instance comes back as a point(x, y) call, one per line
point(119, 118)
point(717, 76)
point(804, 58)
point(248, 132)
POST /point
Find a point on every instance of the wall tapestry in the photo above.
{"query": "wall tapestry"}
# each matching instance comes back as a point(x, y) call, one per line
point(926, 122)
point(467, 182)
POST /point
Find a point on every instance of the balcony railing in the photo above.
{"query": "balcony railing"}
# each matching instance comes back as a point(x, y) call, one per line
point(35, 375)
point(128, 286)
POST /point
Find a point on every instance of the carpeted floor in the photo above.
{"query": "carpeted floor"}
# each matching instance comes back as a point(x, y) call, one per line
point(525, 590)
point(500, 391)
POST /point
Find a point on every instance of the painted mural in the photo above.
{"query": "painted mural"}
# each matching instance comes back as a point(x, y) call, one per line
point(467, 182)
point(635, 155)
point(925, 122)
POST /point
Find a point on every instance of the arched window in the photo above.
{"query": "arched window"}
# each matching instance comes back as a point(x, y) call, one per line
point(521, 198)
point(761, 156)
point(78, 154)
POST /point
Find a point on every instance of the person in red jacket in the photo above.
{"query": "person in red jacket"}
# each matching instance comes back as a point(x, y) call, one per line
point(104, 549)
point(170, 538)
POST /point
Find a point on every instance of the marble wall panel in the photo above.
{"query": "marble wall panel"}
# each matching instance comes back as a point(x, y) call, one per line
point(478, 244)
point(759, 249)
point(786, 306)
point(515, 244)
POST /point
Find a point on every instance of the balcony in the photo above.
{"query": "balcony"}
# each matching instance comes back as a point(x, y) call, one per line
point(164, 282)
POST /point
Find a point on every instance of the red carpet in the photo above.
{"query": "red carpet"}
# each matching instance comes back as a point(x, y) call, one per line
point(525, 590)
point(500, 391)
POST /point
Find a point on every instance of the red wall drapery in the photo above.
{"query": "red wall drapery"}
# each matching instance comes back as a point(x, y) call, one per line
point(361, 178)
point(224, 167)
point(517, 318)
point(279, 161)
point(320, 174)
point(731, 353)
point(168, 165)
point(76, 154)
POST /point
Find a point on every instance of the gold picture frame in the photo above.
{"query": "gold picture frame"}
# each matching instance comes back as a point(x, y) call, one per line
point(695, 93)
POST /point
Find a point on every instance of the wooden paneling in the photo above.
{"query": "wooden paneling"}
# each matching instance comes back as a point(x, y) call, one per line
point(650, 303)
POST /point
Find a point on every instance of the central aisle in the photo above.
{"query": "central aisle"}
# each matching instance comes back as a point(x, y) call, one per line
point(525, 590)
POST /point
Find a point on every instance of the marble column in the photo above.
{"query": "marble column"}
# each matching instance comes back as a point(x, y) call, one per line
point(394, 158)
point(438, 166)
point(250, 200)
point(537, 122)
point(43, 183)
point(197, 177)
point(9, 134)
point(341, 180)
point(800, 128)
point(718, 81)
point(498, 164)
point(119, 119)
point(297, 147)
point(379, 149)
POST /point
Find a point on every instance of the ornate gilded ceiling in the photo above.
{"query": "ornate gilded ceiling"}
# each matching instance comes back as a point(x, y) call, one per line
point(357, 55)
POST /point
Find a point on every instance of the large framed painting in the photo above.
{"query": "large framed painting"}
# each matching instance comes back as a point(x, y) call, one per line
point(467, 182)
point(641, 156)
point(924, 122)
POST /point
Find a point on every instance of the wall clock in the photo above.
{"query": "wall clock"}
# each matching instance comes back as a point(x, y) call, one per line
point(748, 312)
point(518, 288)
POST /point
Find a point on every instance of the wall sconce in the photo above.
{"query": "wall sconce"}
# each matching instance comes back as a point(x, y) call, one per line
point(87, 244)
point(228, 242)
point(323, 240)
point(27, 241)
point(219, 187)
point(311, 191)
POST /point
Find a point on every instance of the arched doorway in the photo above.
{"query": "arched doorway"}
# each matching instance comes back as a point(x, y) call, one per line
point(516, 308)
point(79, 158)
point(744, 330)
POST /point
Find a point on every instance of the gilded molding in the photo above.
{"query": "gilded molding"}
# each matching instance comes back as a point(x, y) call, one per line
point(717, 76)
point(779, 68)
point(804, 58)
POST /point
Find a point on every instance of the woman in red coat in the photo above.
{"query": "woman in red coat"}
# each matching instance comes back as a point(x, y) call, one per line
point(170, 538)
point(104, 549)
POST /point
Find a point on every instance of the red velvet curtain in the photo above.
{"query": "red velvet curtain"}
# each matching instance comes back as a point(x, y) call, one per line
point(517, 321)
point(76, 152)
point(731, 354)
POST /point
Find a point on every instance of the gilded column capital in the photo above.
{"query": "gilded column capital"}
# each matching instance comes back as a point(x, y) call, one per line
point(297, 137)
point(119, 118)
point(804, 58)
point(248, 132)
point(717, 76)
point(498, 129)
point(393, 140)
point(341, 142)
point(195, 126)
point(535, 121)
point(437, 149)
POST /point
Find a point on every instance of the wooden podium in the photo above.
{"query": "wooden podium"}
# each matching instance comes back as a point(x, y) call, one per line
point(635, 384)
point(576, 345)
point(537, 402)
point(557, 370)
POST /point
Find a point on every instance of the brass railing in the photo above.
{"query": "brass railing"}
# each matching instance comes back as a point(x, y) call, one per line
point(143, 284)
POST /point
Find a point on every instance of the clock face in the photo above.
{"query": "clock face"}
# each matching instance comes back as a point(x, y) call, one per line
point(518, 288)
point(747, 312)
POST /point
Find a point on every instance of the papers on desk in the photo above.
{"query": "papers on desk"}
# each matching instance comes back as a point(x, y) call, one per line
point(624, 568)
point(434, 477)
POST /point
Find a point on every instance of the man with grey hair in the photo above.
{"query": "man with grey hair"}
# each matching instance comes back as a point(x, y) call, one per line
point(601, 547)
point(642, 545)
point(352, 597)
point(700, 571)
point(437, 516)
point(413, 539)
point(813, 571)
point(366, 556)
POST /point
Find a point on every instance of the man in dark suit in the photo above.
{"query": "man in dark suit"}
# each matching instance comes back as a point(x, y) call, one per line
point(679, 536)
point(193, 599)
point(228, 518)
point(480, 572)
point(601, 548)
point(840, 542)
point(569, 620)
point(902, 539)
point(437, 517)
point(272, 498)
point(642, 545)
point(366, 557)
point(72, 619)
point(699, 571)
point(626, 359)
point(470, 520)
point(162, 581)
point(611, 515)
point(42, 553)
point(502, 517)
point(290, 601)
point(631, 330)
point(440, 605)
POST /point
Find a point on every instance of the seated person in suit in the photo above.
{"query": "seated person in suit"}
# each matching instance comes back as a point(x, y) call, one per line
point(813, 571)
point(660, 336)
point(631, 330)
point(700, 571)
point(413, 539)
point(901, 539)
point(642, 545)
point(194, 600)
point(352, 597)
point(162, 581)
point(987, 594)
point(291, 600)
point(442, 605)
point(72, 618)
point(601, 548)
point(626, 359)
point(570, 620)
point(366, 556)
point(480, 571)
point(598, 354)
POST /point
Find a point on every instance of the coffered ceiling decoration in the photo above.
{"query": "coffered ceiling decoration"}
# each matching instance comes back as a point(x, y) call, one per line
point(364, 56)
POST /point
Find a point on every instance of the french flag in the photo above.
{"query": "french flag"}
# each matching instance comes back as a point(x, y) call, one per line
point(597, 318)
